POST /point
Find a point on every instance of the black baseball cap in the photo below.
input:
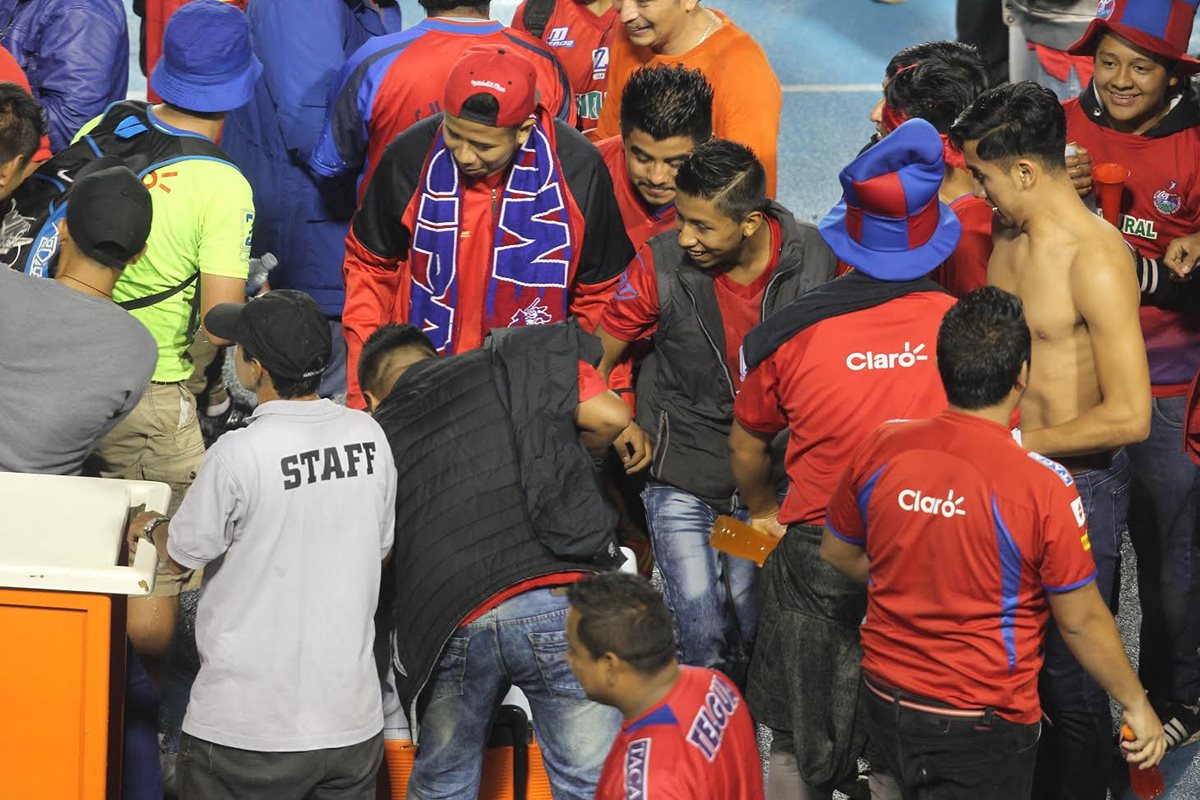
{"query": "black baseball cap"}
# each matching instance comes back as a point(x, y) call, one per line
point(284, 329)
point(109, 212)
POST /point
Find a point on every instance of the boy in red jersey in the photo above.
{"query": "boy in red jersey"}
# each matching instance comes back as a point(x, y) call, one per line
point(395, 81)
point(951, 658)
point(491, 215)
point(687, 734)
point(666, 112)
point(578, 31)
point(1141, 112)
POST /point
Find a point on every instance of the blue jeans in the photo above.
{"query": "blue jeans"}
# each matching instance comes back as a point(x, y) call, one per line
point(714, 597)
point(1163, 526)
point(522, 643)
point(1076, 746)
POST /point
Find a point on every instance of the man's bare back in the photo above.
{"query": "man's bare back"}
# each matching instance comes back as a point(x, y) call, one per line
point(1075, 276)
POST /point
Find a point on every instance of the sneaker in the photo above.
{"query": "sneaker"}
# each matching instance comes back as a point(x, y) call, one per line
point(1182, 726)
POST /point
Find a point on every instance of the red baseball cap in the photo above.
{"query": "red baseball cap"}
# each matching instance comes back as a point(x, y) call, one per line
point(497, 71)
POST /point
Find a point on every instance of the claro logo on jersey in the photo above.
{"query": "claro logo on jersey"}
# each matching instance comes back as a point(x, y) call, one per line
point(870, 360)
point(914, 500)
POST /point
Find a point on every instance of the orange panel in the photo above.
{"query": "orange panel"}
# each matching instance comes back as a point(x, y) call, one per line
point(54, 690)
point(497, 780)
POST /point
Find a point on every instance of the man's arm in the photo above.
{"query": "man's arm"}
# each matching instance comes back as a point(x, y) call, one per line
point(600, 420)
point(849, 559)
point(157, 538)
point(614, 348)
point(1090, 632)
point(217, 289)
point(1106, 294)
point(750, 458)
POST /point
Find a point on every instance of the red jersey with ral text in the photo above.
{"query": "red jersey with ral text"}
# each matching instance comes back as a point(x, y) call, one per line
point(966, 268)
point(632, 314)
point(697, 744)
point(835, 382)
point(966, 532)
point(642, 223)
point(580, 39)
point(1160, 203)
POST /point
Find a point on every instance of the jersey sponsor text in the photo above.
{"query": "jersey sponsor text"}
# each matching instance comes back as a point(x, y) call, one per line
point(708, 728)
point(904, 359)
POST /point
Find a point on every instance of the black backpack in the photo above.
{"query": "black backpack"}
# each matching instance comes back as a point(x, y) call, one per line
point(29, 231)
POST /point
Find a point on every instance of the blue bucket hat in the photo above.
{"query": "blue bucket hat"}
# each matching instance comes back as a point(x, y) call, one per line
point(207, 63)
point(890, 223)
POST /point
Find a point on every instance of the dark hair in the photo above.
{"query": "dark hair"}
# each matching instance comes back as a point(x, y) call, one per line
point(626, 616)
point(212, 116)
point(284, 387)
point(939, 85)
point(482, 108)
point(666, 102)
point(1013, 120)
point(382, 343)
point(434, 7)
point(728, 173)
point(958, 54)
point(981, 345)
point(22, 125)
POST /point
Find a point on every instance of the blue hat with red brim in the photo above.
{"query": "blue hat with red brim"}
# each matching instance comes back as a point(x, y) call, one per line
point(890, 223)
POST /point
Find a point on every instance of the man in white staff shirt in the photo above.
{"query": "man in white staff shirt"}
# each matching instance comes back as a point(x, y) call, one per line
point(290, 517)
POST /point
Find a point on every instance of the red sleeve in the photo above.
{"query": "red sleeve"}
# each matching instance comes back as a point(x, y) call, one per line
point(589, 300)
point(843, 517)
point(372, 282)
point(1066, 557)
point(632, 313)
point(518, 20)
point(590, 383)
point(757, 402)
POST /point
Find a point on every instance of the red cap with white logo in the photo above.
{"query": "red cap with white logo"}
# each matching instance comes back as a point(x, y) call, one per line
point(497, 71)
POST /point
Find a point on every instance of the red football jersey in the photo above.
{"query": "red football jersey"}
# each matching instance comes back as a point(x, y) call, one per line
point(580, 39)
point(641, 222)
point(394, 81)
point(1161, 203)
point(697, 744)
point(966, 268)
point(835, 382)
point(966, 531)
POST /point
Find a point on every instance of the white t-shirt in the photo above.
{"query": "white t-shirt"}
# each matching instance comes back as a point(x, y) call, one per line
point(291, 517)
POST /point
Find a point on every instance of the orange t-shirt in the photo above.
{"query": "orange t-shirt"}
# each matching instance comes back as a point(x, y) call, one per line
point(747, 98)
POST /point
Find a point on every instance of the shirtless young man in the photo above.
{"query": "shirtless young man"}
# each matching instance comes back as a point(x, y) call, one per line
point(1089, 384)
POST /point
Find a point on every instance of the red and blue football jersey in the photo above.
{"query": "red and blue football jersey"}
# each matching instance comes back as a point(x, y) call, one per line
point(697, 744)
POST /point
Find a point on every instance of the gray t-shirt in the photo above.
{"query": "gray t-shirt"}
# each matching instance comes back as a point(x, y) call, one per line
point(71, 367)
point(292, 516)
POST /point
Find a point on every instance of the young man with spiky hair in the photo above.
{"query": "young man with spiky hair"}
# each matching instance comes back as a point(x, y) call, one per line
point(666, 112)
point(1089, 385)
point(734, 259)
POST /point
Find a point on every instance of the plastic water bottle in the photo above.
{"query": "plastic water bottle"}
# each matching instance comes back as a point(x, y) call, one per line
point(1146, 783)
point(260, 268)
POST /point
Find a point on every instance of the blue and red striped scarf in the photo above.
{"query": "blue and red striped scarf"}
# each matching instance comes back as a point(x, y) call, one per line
point(532, 251)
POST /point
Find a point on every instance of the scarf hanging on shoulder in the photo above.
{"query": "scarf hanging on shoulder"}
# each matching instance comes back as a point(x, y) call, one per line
point(532, 249)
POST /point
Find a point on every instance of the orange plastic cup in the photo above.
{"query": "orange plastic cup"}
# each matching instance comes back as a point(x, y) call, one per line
point(1109, 178)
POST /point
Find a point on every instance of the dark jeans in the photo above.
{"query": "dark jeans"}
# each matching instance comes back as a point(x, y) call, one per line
point(938, 757)
point(209, 771)
point(1163, 527)
point(1076, 749)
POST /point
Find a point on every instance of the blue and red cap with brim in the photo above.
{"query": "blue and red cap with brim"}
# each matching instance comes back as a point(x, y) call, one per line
point(1161, 27)
point(890, 223)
